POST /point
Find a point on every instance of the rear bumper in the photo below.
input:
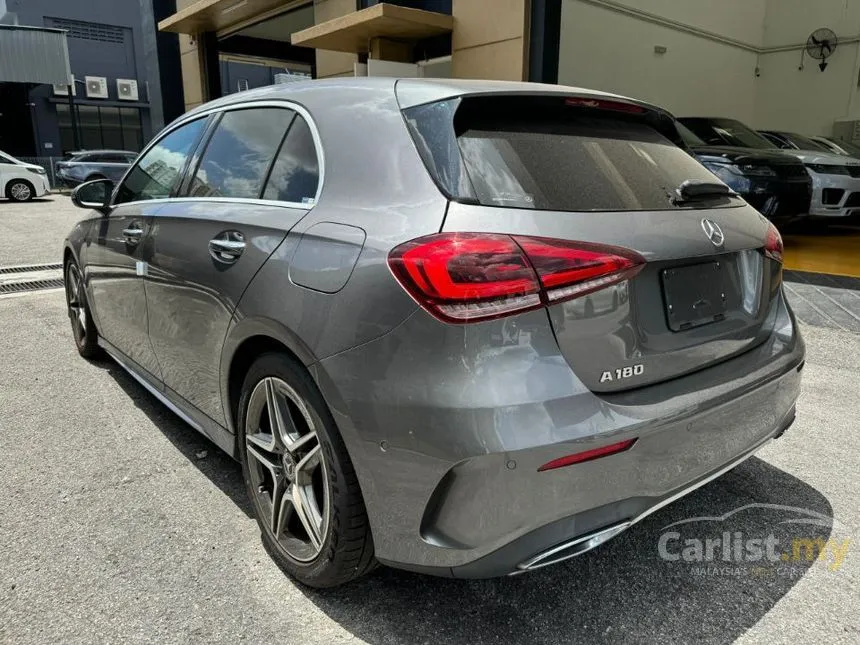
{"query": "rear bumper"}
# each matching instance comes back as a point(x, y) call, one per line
point(447, 445)
point(548, 545)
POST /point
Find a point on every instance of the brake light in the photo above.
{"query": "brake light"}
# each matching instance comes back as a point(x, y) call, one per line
point(588, 455)
point(466, 277)
point(605, 104)
point(773, 246)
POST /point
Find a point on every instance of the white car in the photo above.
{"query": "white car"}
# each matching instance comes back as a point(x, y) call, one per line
point(21, 181)
point(835, 178)
point(839, 146)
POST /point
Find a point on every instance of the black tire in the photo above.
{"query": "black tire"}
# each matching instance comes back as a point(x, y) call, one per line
point(346, 550)
point(20, 190)
point(93, 177)
point(83, 328)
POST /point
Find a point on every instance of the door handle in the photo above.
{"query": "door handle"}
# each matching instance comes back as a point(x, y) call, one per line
point(227, 249)
point(132, 234)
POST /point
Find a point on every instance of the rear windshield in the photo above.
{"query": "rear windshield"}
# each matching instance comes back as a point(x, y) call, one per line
point(805, 143)
point(527, 152)
point(727, 132)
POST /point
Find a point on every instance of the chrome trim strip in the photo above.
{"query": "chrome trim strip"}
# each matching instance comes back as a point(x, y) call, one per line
point(228, 200)
point(188, 118)
point(158, 395)
point(536, 562)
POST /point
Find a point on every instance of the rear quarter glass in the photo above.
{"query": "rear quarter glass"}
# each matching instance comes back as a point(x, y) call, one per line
point(544, 154)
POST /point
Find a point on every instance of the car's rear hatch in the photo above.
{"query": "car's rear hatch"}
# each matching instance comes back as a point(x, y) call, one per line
point(606, 172)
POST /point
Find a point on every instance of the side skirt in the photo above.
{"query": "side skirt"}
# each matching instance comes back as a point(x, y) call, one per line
point(219, 435)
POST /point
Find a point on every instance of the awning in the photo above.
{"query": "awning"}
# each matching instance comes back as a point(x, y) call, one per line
point(34, 55)
point(216, 15)
point(354, 31)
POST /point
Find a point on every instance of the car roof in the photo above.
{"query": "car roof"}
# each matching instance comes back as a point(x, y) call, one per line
point(315, 94)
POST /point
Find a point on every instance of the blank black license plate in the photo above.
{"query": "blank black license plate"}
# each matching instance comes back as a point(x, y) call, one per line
point(695, 295)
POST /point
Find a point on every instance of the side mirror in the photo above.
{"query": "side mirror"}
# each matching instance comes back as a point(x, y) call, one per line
point(94, 195)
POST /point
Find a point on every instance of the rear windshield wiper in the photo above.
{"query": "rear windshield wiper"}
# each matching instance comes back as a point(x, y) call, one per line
point(694, 190)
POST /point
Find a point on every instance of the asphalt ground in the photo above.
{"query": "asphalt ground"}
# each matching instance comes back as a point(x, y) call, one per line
point(119, 523)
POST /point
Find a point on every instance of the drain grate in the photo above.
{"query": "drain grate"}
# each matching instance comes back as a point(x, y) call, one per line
point(30, 285)
point(30, 267)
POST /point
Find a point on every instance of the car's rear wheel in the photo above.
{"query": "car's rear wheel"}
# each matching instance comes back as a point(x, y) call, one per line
point(299, 477)
point(20, 190)
point(83, 327)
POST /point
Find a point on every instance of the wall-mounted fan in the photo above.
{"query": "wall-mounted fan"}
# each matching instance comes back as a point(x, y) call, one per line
point(820, 45)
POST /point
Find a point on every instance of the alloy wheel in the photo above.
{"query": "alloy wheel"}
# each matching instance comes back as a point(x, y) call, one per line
point(287, 468)
point(76, 303)
point(20, 192)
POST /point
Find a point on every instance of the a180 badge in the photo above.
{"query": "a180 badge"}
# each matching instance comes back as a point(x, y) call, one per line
point(622, 373)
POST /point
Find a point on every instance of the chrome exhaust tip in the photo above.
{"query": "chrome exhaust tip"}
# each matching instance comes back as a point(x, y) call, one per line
point(571, 549)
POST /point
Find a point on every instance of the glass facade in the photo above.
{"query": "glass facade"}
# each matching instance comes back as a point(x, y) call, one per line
point(101, 127)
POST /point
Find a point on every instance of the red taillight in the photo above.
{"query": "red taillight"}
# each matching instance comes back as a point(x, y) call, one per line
point(465, 277)
point(572, 269)
point(605, 104)
point(773, 247)
point(588, 455)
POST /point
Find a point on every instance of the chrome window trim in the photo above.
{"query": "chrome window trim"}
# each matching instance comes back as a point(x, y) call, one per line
point(228, 200)
point(278, 103)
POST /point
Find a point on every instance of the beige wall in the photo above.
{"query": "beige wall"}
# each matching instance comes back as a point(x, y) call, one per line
point(609, 45)
point(490, 44)
point(808, 100)
point(189, 57)
point(331, 63)
point(608, 49)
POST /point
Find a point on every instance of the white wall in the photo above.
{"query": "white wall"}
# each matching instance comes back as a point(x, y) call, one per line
point(807, 100)
point(605, 49)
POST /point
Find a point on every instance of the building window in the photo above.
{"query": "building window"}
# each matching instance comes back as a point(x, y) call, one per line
point(100, 127)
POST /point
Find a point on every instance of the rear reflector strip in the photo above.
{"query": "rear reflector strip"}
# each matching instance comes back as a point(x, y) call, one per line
point(588, 455)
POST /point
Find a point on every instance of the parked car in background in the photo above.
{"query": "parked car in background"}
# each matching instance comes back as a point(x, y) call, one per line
point(88, 165)
point(21, 181)
point(399, 365)
point(792, 141)
point(835, 178)
point(839, 146)
point(775, 184)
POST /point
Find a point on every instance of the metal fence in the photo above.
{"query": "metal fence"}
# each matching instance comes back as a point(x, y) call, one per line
point(50, 166)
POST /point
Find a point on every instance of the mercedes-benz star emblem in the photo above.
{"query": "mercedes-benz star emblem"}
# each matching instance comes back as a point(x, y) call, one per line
point(713, 231)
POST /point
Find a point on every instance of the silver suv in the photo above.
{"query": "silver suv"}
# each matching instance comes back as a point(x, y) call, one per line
point(89, 165)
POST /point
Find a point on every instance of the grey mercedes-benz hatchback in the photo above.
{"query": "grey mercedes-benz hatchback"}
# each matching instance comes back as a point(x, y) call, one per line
point(464, 328)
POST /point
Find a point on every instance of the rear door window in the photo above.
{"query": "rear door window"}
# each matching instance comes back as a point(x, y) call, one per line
point(295, 175)
point(542, 154)
point(240, 152)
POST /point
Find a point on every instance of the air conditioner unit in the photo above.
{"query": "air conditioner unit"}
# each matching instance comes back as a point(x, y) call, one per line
point(242, 85)
point(126, 89)
point(63, 90)
point(96, 87)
